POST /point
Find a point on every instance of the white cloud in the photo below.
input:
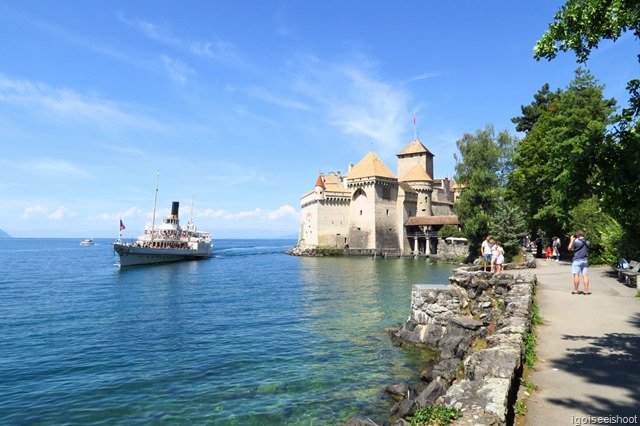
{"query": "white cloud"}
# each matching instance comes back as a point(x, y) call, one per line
point(61, 213)
point(263, 94)
point(250, 214)
point(358, 103)
point(285, 210)
point(219, 50)
point(52, 167)
point(108, 217)
point(69, 104)
point(34, 210)
point(178, 71)
point(215, 214)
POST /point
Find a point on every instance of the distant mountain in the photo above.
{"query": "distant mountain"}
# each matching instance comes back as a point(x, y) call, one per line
point(4, 234)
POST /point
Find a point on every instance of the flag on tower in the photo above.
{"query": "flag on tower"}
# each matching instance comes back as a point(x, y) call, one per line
point(121, 225)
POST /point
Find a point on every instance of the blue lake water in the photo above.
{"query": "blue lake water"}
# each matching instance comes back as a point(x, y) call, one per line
point(250, 337)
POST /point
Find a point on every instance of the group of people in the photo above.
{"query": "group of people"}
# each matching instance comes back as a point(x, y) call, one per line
point(553, 250)
point(493, 254)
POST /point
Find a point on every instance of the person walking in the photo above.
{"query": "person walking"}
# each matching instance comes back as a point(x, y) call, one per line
point(500, 258)
point(485, 249)
point(494, 254)
point(580, 266)
point(555, 246)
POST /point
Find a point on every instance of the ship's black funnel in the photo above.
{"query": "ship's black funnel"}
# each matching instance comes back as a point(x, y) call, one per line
point(175, 206)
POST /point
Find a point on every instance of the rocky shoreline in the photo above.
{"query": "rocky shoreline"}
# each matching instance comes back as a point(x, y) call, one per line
point(478, 325)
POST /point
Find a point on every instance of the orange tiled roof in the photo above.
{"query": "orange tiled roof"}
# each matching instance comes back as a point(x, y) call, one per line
point(414, 147)
point(320, 182)
point(370, 166)
point(417, 173)
point(432, 220)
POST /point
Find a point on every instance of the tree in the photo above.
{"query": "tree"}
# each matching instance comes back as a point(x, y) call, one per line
point(559, 160)
point(543, 100)
point(482, 170)
point(508, 225)
point(579, 26)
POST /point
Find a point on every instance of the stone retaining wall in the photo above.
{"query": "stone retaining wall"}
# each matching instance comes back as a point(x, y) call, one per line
point(478, 324)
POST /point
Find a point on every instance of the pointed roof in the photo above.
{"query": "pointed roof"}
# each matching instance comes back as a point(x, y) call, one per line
point(320, 182)
point(416, 174)
point(414, 147)
point(370, 166)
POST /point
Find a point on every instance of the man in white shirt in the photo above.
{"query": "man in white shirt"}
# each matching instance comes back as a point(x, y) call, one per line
point(485, 249)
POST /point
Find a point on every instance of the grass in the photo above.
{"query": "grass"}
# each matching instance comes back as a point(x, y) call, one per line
point(520, 408)
point(435, 415)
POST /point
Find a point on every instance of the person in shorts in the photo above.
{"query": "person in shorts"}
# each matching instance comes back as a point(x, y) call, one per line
point(485, 249)
point(580, 265)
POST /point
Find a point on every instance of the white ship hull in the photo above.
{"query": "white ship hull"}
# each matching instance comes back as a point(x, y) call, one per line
point(131, 255)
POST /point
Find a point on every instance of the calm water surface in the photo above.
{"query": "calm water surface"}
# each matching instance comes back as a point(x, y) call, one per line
point(249, 337)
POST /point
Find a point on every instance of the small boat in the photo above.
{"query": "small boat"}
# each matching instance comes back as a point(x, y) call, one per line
point(87, 242)
point(169, 242)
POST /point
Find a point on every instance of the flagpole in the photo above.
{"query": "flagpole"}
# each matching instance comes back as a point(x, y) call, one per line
point(155, 200)
point(414, 127)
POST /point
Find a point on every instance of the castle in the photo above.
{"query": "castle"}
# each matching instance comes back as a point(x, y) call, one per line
point(371, 211)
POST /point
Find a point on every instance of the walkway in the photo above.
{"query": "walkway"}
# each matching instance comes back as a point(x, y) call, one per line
point(588, 349)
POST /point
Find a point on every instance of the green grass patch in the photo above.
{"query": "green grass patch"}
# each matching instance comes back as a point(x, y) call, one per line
point(435, 415)
point(520, 408)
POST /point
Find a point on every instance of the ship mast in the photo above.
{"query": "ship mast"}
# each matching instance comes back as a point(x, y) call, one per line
point(155, 200)
point(193, 197)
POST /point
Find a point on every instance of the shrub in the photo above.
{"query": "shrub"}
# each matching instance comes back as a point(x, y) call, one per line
point(435, 415)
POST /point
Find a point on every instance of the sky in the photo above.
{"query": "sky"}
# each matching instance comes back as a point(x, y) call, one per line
point(239, 105)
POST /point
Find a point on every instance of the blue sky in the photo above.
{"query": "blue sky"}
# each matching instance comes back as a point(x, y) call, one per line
point(245, 102)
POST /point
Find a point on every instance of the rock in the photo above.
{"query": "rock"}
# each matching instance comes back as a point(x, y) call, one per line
point(399, 391)
point(358, 421)
point(403, 409)
point(431, 393)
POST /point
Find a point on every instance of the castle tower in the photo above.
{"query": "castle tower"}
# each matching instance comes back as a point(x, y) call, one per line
point(320, 188)
point(422, 183)
point(373, 209)
point(415, 154)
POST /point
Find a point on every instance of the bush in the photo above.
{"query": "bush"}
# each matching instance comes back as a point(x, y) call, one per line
point(436, 415)
point(449, 231)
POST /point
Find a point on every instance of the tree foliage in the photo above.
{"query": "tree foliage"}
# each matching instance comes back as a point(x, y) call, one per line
point(559, 161)
point(482, 168)
point(579, 26)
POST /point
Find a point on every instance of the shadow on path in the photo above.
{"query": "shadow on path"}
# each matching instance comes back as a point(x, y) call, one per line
point(610, 360)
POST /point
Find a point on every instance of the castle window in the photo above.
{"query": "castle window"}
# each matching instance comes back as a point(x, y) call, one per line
point(360, 212)
point(386, 194)
point(387, 212)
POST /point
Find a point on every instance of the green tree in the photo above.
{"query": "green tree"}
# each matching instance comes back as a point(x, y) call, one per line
point(508, 225)
point(557, 162)
point(579, 26)
point(543, 101)
point(482, 169)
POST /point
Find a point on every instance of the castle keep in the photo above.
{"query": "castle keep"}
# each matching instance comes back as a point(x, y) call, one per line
point(371, 210)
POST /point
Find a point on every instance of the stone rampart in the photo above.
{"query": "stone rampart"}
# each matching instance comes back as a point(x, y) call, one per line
point(478, 324)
